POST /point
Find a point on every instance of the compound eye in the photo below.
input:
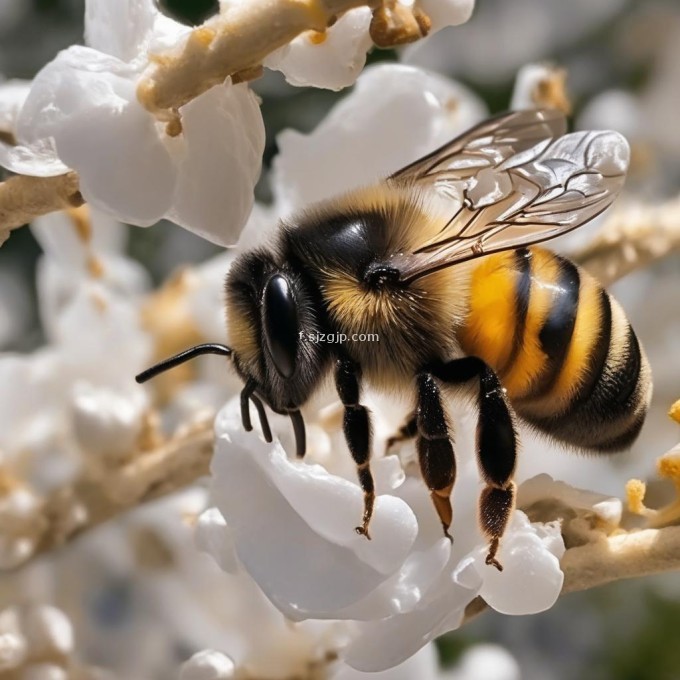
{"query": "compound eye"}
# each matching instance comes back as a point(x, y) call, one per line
point(281, 324)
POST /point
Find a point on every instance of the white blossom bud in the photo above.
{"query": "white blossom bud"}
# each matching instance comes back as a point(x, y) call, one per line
point(12, 651)
point(106, 423)
point(48, 632)
point(208, 665)
point(20, 525)
point(487, 661)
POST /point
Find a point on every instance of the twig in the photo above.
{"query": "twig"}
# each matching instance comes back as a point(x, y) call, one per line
point(623, 556)
point(99, 496)
point(233, 43)
point(632, 238)
point(24, 198)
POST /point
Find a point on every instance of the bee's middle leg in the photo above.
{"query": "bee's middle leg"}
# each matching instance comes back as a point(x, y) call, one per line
point(357, 429)
point(435, 450)
point(496, 447)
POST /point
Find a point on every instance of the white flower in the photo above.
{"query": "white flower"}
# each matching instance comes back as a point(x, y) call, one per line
point(334, 59)
point(403, 588)
point(82, 113)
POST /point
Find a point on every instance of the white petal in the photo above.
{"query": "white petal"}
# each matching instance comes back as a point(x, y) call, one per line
point(300, 545)
point(86, 103)
point(531, 580)
point(124, 169)
point(30, 389)
point(224, 141)
point(389, 642)
point(101, 339)
point(444, 13)
point(37, 160)
point(487, 661)
point(48, 631)
point(119, 29)
point(208, 665)
point(214, 537)
point(421, 666)
point(334, 62)
point(106, 423)
point(58, 285)
point(394, 115)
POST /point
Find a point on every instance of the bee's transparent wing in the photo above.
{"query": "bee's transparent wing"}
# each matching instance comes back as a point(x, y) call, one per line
point(537, 194)
point(486, 146)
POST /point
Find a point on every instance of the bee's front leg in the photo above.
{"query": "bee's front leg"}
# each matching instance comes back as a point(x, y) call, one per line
point(435, 450)
point(357, 428)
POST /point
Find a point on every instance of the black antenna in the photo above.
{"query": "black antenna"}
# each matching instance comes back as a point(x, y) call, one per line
point(186, 355)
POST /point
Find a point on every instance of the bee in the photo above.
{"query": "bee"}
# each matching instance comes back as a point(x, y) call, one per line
point(440, 260)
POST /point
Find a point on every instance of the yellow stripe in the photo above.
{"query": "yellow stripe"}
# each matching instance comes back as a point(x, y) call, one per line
point(490, 324)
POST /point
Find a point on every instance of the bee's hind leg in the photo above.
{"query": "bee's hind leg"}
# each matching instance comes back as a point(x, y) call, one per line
point(496, 447)
point(407, 431)
point(435, 450)
point(357, 428)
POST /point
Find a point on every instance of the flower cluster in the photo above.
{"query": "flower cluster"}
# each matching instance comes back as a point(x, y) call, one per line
point(260, 565)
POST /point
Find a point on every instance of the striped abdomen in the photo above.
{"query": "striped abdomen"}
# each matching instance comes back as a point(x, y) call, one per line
point(561, 346)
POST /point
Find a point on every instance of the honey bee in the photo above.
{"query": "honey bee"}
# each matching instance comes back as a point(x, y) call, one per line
point(440, 261)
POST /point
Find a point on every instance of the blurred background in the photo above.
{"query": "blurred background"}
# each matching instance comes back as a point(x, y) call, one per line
point(622, 58)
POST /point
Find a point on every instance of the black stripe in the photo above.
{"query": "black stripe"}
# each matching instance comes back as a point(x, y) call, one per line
point(558, 329)
point(523, 260)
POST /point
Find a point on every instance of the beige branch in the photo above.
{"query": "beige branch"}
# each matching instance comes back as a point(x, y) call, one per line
point(624, 556)
point(232, 43)
point(633, 237)
point(101, 495)
point(24, 198)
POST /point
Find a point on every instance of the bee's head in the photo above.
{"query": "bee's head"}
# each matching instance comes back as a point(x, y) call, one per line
point(271, 311)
